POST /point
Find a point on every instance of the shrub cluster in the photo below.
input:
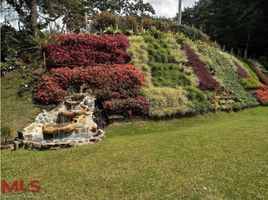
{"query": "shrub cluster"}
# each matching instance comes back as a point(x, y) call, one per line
point(192, 33)
point(128, 107)
point(134, 24)
point(206, 80)
point(199, 100)
point(108, 82)
point(104, 20)
point(87, 50)
point(169, 75)
point(165, 101)
point(262, 95)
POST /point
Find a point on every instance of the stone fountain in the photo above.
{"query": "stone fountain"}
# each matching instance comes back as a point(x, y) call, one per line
point(68, 125)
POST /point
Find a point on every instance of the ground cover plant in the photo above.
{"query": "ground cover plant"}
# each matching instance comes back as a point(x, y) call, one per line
point(213, 156)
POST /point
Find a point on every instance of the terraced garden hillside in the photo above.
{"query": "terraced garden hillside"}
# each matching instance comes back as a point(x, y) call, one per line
point(154, 74)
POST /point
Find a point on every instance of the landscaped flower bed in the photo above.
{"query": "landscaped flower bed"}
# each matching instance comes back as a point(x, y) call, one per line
point(87, 50)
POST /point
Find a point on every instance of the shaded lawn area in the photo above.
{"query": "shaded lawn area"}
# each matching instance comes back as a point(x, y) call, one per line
point(214, 156)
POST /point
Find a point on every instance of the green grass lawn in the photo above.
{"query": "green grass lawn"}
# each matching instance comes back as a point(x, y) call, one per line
point(214, 156)
point(16, 111)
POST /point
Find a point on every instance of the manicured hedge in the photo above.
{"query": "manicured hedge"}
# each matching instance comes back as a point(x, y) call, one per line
point(128, 107)
point(74, 50)
point(106, 81)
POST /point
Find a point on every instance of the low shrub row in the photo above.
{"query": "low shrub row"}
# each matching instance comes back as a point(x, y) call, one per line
point(127, 107)
point(74, 50)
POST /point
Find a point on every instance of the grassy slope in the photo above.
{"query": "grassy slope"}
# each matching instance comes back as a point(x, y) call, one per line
point(15, 111)
point(215, 156)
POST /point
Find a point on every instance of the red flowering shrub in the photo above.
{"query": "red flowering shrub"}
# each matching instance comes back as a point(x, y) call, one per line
point(263, 86)
point(74, 50)
point(133, 106)
point(241, 72)
point(262, 95)
point(206, 80)
point(110, 83)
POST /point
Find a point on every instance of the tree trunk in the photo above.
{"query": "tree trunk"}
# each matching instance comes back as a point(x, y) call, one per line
point(34, 17)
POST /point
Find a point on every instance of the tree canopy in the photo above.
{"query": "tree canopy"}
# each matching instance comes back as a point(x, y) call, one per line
point(37, 14)
point(240, 24)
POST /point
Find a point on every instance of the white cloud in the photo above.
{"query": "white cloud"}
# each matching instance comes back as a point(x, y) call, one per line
point(168, 8)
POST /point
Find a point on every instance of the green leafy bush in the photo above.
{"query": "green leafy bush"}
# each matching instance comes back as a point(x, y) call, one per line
point(158, 50)
point(198, 99)
point(192, 33)
point(169, 75)
point(5, 134)
point(126, 23)
point(104, 20)
point(164, 101)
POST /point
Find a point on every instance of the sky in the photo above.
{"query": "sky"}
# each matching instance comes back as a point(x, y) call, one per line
point(169, 8)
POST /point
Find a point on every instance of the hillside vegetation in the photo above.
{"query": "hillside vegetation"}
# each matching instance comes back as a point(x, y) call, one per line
point(155, 74)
